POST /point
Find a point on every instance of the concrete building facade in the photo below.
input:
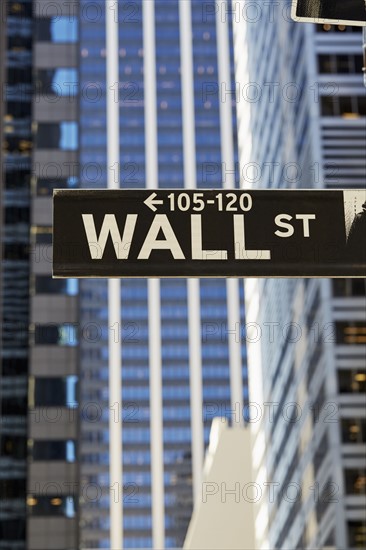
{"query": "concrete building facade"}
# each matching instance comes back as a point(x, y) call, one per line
point(53, 420)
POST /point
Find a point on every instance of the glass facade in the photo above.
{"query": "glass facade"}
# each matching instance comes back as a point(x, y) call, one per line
point(175, 351)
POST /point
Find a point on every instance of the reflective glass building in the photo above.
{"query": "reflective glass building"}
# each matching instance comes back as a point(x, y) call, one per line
point(183, 338)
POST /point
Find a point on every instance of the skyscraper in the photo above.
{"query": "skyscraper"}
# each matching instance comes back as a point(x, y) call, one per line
point(305, 128)
point(15, 169)
point(183, 356)
point(53, 420)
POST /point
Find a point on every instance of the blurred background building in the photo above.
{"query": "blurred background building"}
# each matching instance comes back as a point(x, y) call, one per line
point(154, 72)
point(15, 164)
point(305, 128)
point(39, 361)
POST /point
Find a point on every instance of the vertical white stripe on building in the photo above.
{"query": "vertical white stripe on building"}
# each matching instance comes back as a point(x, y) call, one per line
point(156, 391)
point(228, 174)
point(114, 292)
point(193, 285)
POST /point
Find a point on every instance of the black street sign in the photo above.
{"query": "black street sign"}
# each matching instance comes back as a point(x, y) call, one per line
point(333, 12)
point(209, 233)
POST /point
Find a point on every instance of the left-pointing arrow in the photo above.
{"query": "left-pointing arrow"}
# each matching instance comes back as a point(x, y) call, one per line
point(150, 202)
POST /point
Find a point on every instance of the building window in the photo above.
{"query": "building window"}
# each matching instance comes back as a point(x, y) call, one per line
point(44, 284)
point(353, 333)
point(60, 135)
point(355, 481)
point(42, 234)
point(340, 64)
point(345, 106)
point(45, 186)
point(13, 406)
point(353, 430)
point(14, 365)
point(56, 334)
point(61, 82)
point(16, 251)
point(55, 505)
point(348, 287)
point(13, 446)
point(356, 534)
point(17, 179)
point(12, 530)
point(352, 381)
point(12, 488)
point(54, 450)
point(59, 30)
point(55, 392)
point(337, 28)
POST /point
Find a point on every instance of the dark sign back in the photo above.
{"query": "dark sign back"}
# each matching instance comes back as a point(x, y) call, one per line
point(209, 233)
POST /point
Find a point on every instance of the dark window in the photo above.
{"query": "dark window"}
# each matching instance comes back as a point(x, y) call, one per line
point(16, 251)
point(19, 43)
point(353, 333)
point(20, 9)
point(54, 334)
point(329, 106)
point(357, 534)
point(56, 505)
point(55, 392)
point(54, 135)
point(355, 481)
point(341, 64)
point(17, 179)
point(15, 365)
point(345, 105)
point(337, 28)
point(19, 74)
point(54, 450)
point(358, 63)
point(44, 284)
point(42, 29)
point(12, 529)
point(325, 64)
point(16, 214)
point(19, 109)
point(344, 64)
point(349, 287)
point(13, 446)
point(48, 136)
point(59, 82)
point(352, 381)
point(361, 101)
point(14, 406)
point(45, 187)
point(353, 430)
point(12, 488)
point(43, 235)
point(56, 29)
